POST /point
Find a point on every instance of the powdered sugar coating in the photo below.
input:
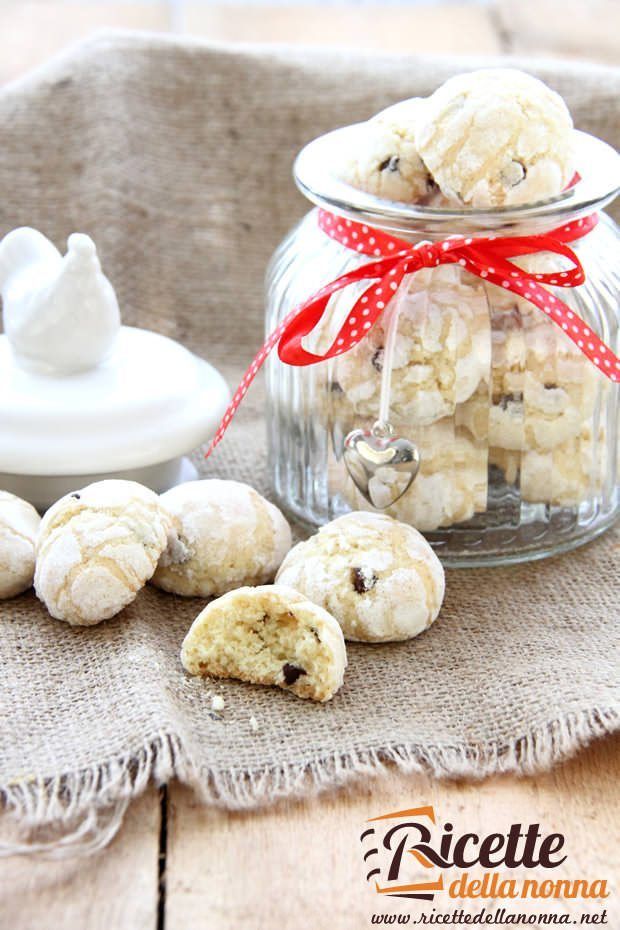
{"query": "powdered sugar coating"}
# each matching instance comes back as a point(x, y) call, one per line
point(19, 525)
point(379, 578)
point(227, 536)
point(450, 486)
point(564, 475)
point(384, 160)
point(496, 137)
point(441, 352)
point(97, 548)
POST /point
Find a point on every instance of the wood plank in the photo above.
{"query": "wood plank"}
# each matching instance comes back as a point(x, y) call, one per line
point(456, 28)
point(299, 865)
point(569, 28)
point(115, 889)
point(33, 31)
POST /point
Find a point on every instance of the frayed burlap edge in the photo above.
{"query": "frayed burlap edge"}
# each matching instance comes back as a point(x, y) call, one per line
point(78, 814)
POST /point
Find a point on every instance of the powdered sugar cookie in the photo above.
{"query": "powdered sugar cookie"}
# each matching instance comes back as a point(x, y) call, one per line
point(269, 635)
point(227, 536)
point(380, 579)
point(450, 486)
point(96, 548)
point(563, 476)
point(19, 525)
point(543, 387)
point(441, 352)
point(384, 160)
point(496, 137)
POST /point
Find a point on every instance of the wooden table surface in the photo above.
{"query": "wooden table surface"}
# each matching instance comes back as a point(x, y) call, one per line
point(32, 30)
point(176, 865)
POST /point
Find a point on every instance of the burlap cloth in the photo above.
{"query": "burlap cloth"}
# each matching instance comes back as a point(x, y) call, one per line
point(176, 158)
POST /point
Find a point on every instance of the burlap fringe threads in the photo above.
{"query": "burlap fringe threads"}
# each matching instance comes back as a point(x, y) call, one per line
point(80, 813)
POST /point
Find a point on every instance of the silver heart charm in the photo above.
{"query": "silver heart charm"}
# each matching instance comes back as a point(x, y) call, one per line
point(381, 465)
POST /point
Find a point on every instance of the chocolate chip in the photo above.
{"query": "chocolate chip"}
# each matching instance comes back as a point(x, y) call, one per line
point(292, 673)
point(77, 496)
point(315, 633)
point(506, 399)
point(335, 388)
point(377, 360)
point(390, 163)
point(363, 580)
point(550, 386)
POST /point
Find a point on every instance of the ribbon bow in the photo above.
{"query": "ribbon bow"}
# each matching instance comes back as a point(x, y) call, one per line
point(486, 257)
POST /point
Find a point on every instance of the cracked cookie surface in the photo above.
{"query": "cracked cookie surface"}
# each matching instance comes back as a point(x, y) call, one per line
point(268, 635)
point(227, 536)
point(96, 548)
point(19, 525)
point(379, 578)
point(450, 486)
point(496, 137)
point(385, 161)
point(441, 351)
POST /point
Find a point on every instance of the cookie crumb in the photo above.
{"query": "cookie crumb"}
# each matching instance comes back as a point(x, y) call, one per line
point(217, 702)
point(253, 724)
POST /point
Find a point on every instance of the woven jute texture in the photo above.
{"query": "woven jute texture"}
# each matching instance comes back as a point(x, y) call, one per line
point(176, 158)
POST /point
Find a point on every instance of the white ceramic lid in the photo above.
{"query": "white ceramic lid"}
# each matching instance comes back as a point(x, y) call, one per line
point(79, 393)
point(149, 401)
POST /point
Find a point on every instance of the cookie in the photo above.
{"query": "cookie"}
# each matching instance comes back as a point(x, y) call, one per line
point(543, 387)
point(384, 160)
point(227, 536)
point(19, 525)
point(379, 578)
point(496, 137)
point(450, 486)
point(269, 635)
point(97, 548)
point(441, 351)
point(564, 476)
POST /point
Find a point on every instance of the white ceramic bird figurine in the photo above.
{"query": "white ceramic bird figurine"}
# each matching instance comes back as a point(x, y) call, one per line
point(60, 312)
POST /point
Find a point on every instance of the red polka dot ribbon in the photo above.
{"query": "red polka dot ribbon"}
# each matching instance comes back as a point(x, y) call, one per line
point(486, 257)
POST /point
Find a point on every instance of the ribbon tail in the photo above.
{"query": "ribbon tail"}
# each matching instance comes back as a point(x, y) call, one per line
point(505, 274)
point(300, 322)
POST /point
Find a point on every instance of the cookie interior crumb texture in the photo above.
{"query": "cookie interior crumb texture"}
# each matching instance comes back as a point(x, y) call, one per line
point(227, 536)
point(269, 635)
point(379, 578)
point(19, 525)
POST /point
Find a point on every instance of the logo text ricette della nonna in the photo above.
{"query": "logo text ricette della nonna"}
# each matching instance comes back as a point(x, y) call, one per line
point(400, 843)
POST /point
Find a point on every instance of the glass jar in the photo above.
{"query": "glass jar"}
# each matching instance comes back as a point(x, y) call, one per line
point(516, 430)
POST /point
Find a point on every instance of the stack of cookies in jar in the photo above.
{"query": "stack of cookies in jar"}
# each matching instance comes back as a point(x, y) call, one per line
point(493, 393)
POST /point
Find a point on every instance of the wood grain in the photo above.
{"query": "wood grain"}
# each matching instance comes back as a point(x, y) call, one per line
point(456, 28)
point(568, 28)
point(113, 890)
point(33, 31)
point(299, 866)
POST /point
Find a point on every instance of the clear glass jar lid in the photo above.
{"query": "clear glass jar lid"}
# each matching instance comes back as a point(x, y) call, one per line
point(597, 164)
